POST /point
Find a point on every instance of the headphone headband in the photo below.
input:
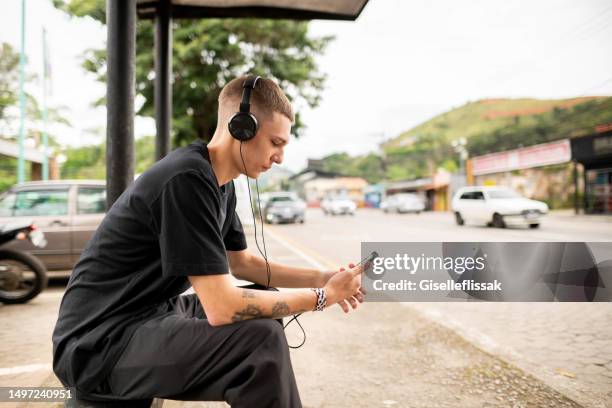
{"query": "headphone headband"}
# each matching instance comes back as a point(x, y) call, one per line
point(247, 88)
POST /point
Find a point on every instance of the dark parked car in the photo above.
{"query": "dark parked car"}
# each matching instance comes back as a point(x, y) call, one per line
point(67, 211)
point(283, 207)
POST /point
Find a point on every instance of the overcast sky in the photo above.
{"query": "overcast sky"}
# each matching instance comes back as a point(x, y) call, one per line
point(399, 64)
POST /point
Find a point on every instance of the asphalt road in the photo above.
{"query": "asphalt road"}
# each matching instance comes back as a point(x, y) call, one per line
point(338, 238)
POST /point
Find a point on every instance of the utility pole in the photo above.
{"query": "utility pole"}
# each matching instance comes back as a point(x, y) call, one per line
point(45, 167)
point(459, 147)
point(20, 158)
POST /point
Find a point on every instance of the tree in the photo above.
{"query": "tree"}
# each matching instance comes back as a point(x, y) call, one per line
point(339, 163)
point(9, 78)
point(89, 162)
point(370, 167)
point(9, 98)
point(9, 113)
point(208, 53)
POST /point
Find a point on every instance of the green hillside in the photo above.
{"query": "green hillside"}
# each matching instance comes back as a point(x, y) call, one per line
point(490, 115)
point(489, 125)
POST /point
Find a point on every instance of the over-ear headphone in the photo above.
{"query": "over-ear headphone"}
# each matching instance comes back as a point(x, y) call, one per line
point(243, 124)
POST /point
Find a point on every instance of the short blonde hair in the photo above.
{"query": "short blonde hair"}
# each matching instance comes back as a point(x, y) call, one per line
point(266, 97)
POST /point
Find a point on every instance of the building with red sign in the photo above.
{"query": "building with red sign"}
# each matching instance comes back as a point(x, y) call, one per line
point(575, 171)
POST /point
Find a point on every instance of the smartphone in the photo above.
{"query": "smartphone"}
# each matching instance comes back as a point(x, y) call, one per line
point(367, 261)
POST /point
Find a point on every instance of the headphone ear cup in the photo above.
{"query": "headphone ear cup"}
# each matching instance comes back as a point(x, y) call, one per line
point(243, 126)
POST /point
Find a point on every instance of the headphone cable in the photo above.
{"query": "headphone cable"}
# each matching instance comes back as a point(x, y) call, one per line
point(263, 237)
point(264, 254)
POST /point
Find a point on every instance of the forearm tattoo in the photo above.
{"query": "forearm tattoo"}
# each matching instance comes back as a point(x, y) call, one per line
point(249, 312)
point(280, 309)
point(248, 293)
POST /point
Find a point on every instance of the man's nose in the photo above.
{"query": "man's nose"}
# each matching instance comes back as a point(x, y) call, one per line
point(278, 158)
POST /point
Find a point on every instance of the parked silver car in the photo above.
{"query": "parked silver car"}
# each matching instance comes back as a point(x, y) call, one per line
point(67, 211)
point(336, 205)
point(403, 203)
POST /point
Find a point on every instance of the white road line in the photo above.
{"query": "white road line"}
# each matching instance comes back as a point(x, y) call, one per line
point(25, 369)
point(296, 251)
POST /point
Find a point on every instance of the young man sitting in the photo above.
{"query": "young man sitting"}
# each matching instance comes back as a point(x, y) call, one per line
point(126, 334)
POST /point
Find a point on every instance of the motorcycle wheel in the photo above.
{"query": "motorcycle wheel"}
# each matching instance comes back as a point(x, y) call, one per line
point(13, 287)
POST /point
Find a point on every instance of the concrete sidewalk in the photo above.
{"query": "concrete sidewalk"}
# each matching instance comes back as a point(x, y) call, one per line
point(382, 355)
point(569, 213)
point(566, 345)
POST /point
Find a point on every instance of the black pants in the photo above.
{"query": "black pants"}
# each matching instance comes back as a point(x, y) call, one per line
point(179, 355)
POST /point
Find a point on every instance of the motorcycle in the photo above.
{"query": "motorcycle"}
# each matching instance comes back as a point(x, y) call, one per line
point(22, 276)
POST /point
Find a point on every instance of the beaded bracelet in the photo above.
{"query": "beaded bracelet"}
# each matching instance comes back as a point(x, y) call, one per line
point(321, 299)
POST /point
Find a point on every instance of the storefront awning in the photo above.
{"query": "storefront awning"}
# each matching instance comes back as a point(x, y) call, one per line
point(593, 151)
point(418, 184)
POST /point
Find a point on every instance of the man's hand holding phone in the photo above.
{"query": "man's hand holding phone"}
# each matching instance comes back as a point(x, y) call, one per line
point(344, 287)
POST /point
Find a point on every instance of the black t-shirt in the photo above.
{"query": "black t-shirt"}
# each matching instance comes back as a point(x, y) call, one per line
point(171, 222)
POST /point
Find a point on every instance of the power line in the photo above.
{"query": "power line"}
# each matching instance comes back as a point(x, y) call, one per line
point(588, 22)
point(586, 27)
point(584, 93)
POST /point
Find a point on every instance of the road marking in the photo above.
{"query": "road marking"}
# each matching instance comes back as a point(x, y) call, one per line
point(30, 368)
point(316, 260)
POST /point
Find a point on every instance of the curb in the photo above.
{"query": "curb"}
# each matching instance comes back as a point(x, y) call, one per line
point(580, 394)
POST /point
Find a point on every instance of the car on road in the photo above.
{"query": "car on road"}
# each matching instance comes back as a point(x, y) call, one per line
point(283, 207)
point(66, 211)
point(403, 203)
point(496, 206)
point(336, 205)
